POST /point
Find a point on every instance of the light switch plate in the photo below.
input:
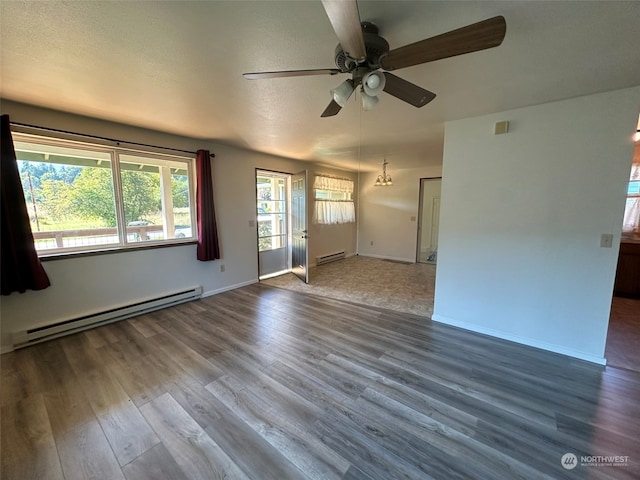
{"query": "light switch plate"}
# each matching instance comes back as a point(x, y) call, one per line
point(606, 240)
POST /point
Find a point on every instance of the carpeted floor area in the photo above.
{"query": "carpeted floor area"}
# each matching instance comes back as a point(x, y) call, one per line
point(397, 286)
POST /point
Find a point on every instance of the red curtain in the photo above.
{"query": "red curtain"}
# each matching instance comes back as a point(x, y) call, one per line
point(20, 266)
point(208, 248)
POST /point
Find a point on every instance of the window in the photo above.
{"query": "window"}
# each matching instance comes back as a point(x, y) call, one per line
point(333, 200)
point(631, 221)
point(83, 197)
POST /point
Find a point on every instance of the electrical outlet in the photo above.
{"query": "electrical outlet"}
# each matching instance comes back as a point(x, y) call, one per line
point(413, 218)
point(252, 223)
point(222, 267)
point(606, 240)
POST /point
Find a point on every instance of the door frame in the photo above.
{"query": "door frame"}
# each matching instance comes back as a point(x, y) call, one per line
point(420, 208)
point(288, 218)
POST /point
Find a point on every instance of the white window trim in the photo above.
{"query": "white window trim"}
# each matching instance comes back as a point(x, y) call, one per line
point(329, 211)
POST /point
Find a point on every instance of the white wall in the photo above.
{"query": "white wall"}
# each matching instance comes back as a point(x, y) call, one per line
point(521, 219)
point(82, 285)
point(388, 215)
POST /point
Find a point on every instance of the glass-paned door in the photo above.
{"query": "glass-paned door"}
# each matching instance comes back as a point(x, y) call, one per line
point(272, 222)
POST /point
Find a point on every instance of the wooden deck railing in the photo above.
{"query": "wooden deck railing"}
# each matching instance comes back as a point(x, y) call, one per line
point(59, 235)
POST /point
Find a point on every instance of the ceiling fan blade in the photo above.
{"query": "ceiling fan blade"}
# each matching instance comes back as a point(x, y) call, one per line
point(331, 110)
point(472, 38)
point(407, 91)
point(345, 20)
point(290, 73)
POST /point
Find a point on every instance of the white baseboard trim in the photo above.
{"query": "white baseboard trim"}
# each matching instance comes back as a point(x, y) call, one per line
point(550, 347)
point(229, 287)
point(6, 349)
point(385, 257)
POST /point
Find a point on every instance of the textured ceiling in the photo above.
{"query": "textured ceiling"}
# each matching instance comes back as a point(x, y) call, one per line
point(177, 66)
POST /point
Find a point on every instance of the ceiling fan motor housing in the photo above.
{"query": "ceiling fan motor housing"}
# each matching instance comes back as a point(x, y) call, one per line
point(376, 49)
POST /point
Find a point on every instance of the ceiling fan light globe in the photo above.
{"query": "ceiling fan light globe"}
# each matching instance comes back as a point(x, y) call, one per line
point(368, 101)
point(373, 83)
point(342, 92)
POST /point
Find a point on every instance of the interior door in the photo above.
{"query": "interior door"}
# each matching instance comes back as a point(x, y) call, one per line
point(299, 227)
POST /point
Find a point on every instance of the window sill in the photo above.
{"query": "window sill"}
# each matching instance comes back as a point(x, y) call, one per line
point(46, 257)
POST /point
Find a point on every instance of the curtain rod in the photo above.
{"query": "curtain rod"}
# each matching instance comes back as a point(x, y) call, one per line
point(118, 142)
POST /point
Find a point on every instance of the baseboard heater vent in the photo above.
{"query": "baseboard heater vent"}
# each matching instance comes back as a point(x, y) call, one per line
point(332, 257)
point(42, 333)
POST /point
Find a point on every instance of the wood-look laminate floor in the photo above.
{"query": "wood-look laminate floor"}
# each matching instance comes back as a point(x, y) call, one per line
point(264, 383)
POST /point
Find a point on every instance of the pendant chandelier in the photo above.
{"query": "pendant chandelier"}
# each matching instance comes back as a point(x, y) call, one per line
point(384, 180)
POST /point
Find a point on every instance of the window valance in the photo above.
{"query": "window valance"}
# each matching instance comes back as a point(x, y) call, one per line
point(334, 184)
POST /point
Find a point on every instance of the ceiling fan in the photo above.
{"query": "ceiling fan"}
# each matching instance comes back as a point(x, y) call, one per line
point(363, 53)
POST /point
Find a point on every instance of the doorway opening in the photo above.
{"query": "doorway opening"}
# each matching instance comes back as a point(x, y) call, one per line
point(623, 334)
point(429, 220)
point(281, 222)
point(272, 220)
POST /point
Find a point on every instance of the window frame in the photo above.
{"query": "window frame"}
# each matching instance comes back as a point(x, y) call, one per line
point(332, 198)
point(632, 198)
point(114, 152)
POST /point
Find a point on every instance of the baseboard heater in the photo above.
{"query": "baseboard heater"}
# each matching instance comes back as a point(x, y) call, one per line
point(42, 333)
point(332, 257)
